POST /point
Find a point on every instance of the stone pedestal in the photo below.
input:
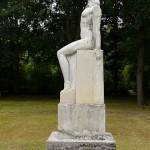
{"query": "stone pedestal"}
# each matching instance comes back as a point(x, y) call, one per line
point(81, 119)
point(90, 78)
point(58, 141)
point(81, 112)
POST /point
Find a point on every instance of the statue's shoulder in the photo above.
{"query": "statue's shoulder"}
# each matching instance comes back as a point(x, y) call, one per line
point(97, 10)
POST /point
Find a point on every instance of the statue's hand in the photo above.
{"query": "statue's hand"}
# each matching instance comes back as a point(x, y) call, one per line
point(97, 53)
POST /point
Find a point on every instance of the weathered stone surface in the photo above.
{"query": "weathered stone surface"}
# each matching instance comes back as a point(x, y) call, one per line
point(90, 81)
point(81, 119)
point(81, 112)
point(67, 97)
point(58, 142)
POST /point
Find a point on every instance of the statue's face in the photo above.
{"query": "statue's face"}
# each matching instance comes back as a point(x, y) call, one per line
point(89, 2)
point(93, 2)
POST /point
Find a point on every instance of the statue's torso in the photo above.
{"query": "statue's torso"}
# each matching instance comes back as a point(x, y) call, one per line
point(86, 23)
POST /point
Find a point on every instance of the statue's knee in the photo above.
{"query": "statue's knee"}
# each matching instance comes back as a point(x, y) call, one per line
point(58, 53)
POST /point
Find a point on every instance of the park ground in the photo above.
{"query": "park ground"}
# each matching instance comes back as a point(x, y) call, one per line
point(27, 121)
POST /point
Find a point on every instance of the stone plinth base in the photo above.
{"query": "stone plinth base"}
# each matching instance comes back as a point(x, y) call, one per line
point(81, 119)
point(59, 142)
point(67, 97)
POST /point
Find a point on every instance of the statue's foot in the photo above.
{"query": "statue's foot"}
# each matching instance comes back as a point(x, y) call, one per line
point(67, 86)
point(73, 88)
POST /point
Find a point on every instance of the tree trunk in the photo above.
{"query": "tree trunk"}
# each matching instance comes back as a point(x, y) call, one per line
point(140, 90)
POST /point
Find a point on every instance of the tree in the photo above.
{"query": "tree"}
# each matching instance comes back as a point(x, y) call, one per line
point(71, 13)
point(142, 25)
point(111, 38)
point(33, 30)
point(137, 34)
point(31, 33)
point(23, 30)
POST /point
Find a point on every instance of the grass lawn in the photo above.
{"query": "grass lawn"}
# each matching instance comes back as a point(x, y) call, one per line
point(26, 122)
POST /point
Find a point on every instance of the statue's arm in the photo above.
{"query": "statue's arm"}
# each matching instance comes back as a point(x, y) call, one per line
point(96, 29)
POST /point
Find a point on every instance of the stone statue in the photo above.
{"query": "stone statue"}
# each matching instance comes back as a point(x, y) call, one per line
point(81, 111)
point(90, 40)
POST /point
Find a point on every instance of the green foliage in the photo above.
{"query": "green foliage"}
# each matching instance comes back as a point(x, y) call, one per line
point(26, 38)
point(129, 77)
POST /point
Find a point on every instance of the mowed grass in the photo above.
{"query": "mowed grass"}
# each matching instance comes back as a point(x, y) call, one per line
point(26, 122)
point(129, 124)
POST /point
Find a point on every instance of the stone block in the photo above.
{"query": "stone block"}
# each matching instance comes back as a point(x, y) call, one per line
point(89, 79)
point(67, 97)
point(81, 119)
point(58, 141)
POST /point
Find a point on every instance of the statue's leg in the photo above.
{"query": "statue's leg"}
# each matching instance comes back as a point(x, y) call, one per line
point(62, 55)
point(72, 61)
point(64, 65)
point(66, 51)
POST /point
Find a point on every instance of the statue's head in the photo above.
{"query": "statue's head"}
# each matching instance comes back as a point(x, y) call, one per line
point(94, 2)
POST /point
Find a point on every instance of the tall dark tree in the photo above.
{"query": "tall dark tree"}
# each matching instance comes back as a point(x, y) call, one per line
point(71, 13)
point(142, 26)
point(136, 20)
point(23, 30)
point(32, 31)
point(111, 38)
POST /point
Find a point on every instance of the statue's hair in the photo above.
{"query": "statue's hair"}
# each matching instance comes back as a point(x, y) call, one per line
point(95, 1)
